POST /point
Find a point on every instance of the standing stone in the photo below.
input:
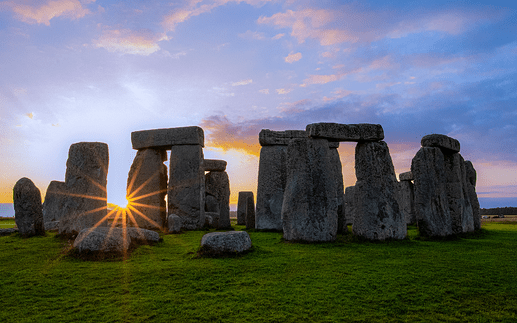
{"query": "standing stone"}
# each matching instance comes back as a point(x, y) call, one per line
point(174, 223)
point(271, 185)
point(309, 210)
point(217, 184)
point(242, 205)
point(378, 215)
point(405, 198)
point(349, 199)
point(146, 189)
point(431, 203)
point(250, 212)
point(85, 179)
point(471, 191)
point(457, 194)
point(186, 192)
point(28, 213)
point(337, 170)
point(54, 201)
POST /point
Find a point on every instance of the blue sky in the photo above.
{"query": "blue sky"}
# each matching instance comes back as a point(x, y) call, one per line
point(86, 70)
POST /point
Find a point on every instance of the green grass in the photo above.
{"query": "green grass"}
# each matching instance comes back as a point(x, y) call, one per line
point(470, 279)
point(6, 223)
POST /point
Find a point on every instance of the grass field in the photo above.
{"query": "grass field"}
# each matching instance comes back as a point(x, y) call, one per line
point(469, 279)
point(6, 223)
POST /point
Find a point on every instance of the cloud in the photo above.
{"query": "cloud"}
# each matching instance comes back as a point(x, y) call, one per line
point(243, 82)
point(283, 91)
point(264, 91)
point(278, 36)
point(38, 13)
point(127, 41)
point(30, 115)
point(254, 35)
point(291, 58)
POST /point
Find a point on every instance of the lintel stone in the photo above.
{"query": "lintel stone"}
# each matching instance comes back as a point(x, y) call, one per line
point(165, 138)
point(441, 141)
point(214, 165)
point(271, 138)
point(346, 132)
point(407, 176)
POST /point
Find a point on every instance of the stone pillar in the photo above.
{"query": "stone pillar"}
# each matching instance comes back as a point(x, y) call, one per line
point(471, 191)
point(54, 201)
point(217, 184)
point(406, 197)
point(242, 205)
point(457, 194)
point(250, 212)
point(309, 210)
point(378, 215)
point(28, 209)
point(349, 205)
point(146, 189)
point(337, 170)
point(85, 179)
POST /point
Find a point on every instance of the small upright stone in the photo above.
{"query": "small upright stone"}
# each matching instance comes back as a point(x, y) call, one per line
point(457, 194)
point(346, 132)
point(406, 197)
point(349, 199)
point(174, 223)
point(165, 138)
point(250, 212)
point(55, 199)
point(217, 184)
point(471, 191)
point(337, 170)
point(214, 165)
point(242, 205)
point(441, 141)
point(28, 209)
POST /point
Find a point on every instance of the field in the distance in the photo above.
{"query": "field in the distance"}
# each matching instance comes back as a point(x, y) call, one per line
point(470, 279)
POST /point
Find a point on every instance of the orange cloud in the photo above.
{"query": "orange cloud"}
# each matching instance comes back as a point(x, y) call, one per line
point(291, 58)
point(42, 13)
point(129, 42)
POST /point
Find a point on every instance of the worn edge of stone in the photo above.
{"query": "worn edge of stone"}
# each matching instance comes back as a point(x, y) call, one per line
point(271, 138)
point(407, 176)
point(214, 165)
point(441, 141)
point(346, 132)
point(167, 137)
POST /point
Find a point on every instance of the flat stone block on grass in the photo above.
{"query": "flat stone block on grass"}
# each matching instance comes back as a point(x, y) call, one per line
point(103, 239)
point(441, 141)
point(143, 236)
point(165, 138)
point(346, 132)
point(226, 242)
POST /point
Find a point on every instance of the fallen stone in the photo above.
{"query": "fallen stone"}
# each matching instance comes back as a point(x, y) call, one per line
point(215, 165)
point(8, 231)
point(146, 189)
point(272, 176)
point(165, 138)
point(346, 132)
point(441, 141)
point(457, 194)
point(103, 239)
point(54, 201)
point(471, 191)
point(85, 179)
point(431, 204)
point(377, 212)
point(349, 205)
point(219, 243)
point(309, 210)
point(273, 138)
point(143, 236)
point(242, 206)
point(407, 176)
point(186, 190)
point(52, 226)
point(250, 212)
point(174, 223)
point(27, 208)
point(217, 184)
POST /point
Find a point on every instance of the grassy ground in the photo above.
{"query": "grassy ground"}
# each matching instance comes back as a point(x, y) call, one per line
point(6, 223)
point(471, 279)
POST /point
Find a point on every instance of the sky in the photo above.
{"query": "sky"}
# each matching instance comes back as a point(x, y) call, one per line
point(95, 70)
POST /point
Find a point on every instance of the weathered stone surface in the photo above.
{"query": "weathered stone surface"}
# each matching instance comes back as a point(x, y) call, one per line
point(272, 138)
point(226, 242)
point(143, 236)
point(406, 198)
point(431, 203)
point(103, 239)
point(174, 223)
point(165, 138)
point(378, 215)
point(52, 226)
point(242, 206)
point(146, 189)
point(441, 141)
point(337, 171)
point(28, 213)
point(6, 232)
point(186, 192)
point(54, 201)
point(333, 144)
point(272, 177)
point(250, 212)
point(346, 132)
point(217, 183)
point(407, 176)
point(85, 179)
point(215, 165)
point(309, 210)
point(471, 191)
point(211, 203)
point(457, 194)
point(349, 199)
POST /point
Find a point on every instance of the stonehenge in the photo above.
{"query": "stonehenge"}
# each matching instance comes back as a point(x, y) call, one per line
point(28, 208)
point(217, 186)
point(406, 197)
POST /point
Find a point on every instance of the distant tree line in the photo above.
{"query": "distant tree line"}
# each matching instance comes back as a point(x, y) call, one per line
point(499, 210)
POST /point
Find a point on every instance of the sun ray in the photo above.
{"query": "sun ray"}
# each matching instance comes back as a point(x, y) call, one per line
point(105, 218)
point(143, 184)
point(147, 206)
point(131, 199)
point(131, 208)
point(133, 178)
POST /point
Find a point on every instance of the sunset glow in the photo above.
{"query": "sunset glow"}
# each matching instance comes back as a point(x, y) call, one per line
point(96, 70)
